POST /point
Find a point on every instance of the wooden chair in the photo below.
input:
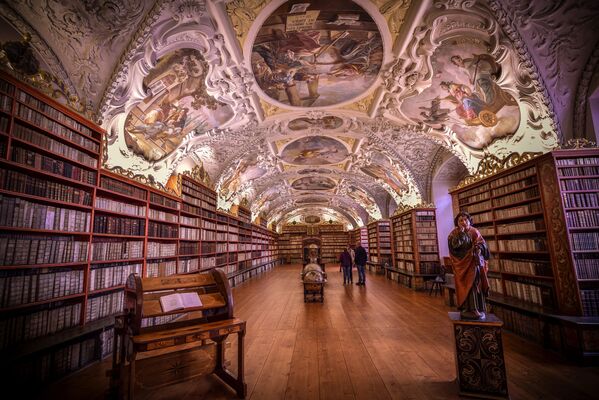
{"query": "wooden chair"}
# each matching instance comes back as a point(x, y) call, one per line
point(153, 348)
point(438, 283)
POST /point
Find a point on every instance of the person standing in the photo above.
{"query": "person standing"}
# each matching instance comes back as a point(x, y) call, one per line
point(360, 259)
point(346, 263)
point(469, 254)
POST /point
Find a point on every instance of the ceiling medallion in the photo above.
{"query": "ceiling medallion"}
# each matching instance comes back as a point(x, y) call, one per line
point(311, 55)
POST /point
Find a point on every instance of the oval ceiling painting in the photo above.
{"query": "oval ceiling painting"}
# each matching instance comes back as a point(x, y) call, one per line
point(312, 219)
point(317, 53)
point(312, 200)
point(176, 104)
point(314, 150)
point(328, 122)
point(313, 183)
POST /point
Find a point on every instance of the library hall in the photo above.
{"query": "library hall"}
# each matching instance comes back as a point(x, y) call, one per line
point(299, 199)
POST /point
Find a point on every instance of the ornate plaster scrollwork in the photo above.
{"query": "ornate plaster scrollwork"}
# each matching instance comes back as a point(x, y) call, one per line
point(394, 12)
point(226, 82)
point(470, 24)
point(243, 13)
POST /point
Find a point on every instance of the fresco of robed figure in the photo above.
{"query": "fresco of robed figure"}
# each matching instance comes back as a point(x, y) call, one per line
point(176, 104)
point(467, 96)
point(313, 183)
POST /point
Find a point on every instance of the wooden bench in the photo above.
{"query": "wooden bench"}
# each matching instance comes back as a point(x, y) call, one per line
point(153, 348)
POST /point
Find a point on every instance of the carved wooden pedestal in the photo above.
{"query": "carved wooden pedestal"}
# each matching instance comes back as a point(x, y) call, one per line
point(479, 357)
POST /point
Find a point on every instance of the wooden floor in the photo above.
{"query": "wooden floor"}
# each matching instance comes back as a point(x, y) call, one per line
point(381, 341)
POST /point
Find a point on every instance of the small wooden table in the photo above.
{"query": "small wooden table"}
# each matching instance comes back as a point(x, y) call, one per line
point(480, 366)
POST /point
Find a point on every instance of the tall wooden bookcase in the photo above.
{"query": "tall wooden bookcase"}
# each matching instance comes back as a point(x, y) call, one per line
point(359, 236)
point(541, 221)
point(71, 233)
point(49, 171)
point(334, 240)
point(379, 245)
point(290, 243)
point(415, 247)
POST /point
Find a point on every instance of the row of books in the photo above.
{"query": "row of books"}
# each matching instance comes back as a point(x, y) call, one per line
point(579, 184)
point(522, 210)
point(110, 275)
point(521, 324)
point(528, 292)
point(30, 250)
point(578, 171)
point(189, 233)
point(163, 216)
point(47, 109)
point(577, 161)
point(155, 198)
point(187, 265)
point(31, 286)
point(191, 221)
point(514, 186)
point(581, 200)
point(585, 241)
point(519, 227)
point(587, 265)
point(156, 229)
point(16, 181)
point(516, 176)
point(198, 191)
point(516, 197)
point(48, 320)
point(120, 207)
point(104, 305)
point(495, 285)
point(38, 161)
point(196, 202)
point(5, 103)
point(160, 249)
point(590, 302)
point(117, 186)
point(525, 267)
point(119, 225)
point(536, 244)
point(21, 213)
point(57, 129)
point(161, 268)
point(107, 249)
point(582, 218)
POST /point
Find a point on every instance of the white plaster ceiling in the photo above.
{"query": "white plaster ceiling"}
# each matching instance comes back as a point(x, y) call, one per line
point(337, 108)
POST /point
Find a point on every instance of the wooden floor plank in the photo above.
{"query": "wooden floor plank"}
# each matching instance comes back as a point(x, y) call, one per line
point(379, 341)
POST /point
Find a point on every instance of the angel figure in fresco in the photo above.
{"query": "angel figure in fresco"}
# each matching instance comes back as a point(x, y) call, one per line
point(435, 114)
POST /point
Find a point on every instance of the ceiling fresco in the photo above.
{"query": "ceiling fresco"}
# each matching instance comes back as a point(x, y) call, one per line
point(317, 53)
point(320, 110)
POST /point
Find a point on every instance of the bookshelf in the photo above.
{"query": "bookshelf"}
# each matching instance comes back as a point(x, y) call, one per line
point(290, 243)
point(50, 323)
point(71, 233)
point(333, 240)
point(359, 236)
point(379, 245)
point(415, 247)
point(540, 221)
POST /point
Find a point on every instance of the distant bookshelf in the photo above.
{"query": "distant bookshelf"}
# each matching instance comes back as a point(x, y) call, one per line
point(333, 241)
point(415, 247)
point(540, 222)
point(379, 245)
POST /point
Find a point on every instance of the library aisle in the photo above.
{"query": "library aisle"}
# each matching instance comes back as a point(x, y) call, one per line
point(381, 341)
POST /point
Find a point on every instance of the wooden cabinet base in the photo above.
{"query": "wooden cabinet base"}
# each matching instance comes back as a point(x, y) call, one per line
point(480, 365)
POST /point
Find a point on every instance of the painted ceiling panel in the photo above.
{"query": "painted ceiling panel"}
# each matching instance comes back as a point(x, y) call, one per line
point(309, 110)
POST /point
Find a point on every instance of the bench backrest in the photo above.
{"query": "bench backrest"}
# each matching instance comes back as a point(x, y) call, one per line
point(143, 310)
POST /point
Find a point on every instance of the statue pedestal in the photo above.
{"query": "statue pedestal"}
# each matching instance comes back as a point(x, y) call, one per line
point(480, 366)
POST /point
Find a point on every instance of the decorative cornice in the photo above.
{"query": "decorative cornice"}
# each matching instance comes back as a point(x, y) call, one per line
point(402, 208)
point(146, 180)
point(491, 165)
point(579, 143)
point(198, 173)
point(394, 12)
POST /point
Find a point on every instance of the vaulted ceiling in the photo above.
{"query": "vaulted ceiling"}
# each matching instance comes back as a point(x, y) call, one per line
point(325, 109)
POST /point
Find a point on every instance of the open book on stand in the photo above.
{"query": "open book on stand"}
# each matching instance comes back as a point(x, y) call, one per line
point(180, 301)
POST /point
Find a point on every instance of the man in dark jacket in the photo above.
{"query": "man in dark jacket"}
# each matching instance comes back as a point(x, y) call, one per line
point(360, 259)
point(345, 261)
